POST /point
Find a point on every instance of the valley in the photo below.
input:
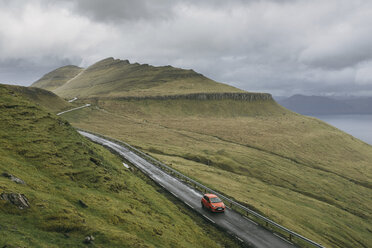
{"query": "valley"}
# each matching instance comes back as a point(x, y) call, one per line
point(298, 171)
point(237, 155)
point(186, 124)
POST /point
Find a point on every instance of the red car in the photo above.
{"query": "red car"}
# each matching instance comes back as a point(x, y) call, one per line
point(213, 203)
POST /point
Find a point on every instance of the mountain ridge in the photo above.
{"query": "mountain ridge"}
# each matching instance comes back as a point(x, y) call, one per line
point(244, 96)
point(57, 77)
point(117, 78)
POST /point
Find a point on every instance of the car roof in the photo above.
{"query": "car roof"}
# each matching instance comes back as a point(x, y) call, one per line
point(210, 195)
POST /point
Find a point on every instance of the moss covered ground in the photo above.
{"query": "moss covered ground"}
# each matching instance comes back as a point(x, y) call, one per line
point(77, 188)
point(58, 77)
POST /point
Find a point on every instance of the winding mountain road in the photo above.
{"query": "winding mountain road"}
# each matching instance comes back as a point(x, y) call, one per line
point(244, 229)
point(84, 106)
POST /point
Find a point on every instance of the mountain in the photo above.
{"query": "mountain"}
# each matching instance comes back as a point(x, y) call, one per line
point(361, 105)
point(58, 77)
point(57, 188)
point(297, 170)
point(116, 78)
point(319, 105)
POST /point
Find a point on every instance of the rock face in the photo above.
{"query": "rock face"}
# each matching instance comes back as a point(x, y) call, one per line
point(13, 178)
point(16, 199)
point(249, 97)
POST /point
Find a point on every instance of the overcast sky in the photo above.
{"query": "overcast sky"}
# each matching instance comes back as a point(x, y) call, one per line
point(278, 46)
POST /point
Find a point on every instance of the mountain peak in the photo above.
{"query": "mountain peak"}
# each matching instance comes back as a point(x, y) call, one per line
point(119, 78)
point(57, 77)
point(107, 62)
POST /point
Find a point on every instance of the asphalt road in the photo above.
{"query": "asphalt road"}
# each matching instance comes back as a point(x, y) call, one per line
point(244, 229)
point(84, 106)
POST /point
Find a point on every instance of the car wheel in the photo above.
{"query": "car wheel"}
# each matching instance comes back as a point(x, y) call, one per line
point(202, 206)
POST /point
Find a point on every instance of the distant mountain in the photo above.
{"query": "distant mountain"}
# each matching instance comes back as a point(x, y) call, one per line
point(360, 105)
point(114, 77)
point(320, 105)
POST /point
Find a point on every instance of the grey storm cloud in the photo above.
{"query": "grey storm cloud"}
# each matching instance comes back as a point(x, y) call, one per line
point(113, 10)
point(130, 10)
point(278, 46)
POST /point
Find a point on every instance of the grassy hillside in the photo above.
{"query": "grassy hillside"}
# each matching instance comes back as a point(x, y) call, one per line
point(299, 171)
point(76, 188)
point(58, 77)
point(111, 77)
point(41, 97)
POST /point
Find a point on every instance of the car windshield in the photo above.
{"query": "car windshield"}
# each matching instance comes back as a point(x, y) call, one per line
point(215, 200)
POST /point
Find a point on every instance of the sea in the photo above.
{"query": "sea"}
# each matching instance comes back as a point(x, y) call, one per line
point(359, 126)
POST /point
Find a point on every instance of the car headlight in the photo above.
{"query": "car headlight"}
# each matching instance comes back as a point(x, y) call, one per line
point(213, 206)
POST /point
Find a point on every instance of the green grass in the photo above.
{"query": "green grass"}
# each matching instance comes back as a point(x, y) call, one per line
point(119, 78)
point(61, 167)
point(58, 77)
point(43, 98)
point(297, 170)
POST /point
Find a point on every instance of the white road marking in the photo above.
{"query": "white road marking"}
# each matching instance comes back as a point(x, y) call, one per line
point(283, 238)
point(174, 194)
point(209, 218)
point(239, 239)
point(250, 220)
point(189, 205)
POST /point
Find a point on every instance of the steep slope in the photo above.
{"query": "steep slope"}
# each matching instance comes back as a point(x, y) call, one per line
point(41, 97)
point(111, 77)
point(58, 77)
point(76, 189)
